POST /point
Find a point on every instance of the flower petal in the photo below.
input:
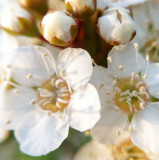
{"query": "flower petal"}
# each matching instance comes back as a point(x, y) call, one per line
point(111, 125)
point(146, 128)
point(77, 66)
point(14, 107)
point(32, 60)
point(103, 83)
point(128, 58)
point(153, 79)
point(41, 133)
point(84, 108)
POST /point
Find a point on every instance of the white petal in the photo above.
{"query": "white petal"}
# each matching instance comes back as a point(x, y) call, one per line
point(103, 83)
point(41, 133)
point(16, 107)
point(146, 128)
point(153, 79)
point(34, 60)
point(102, 4)
point(77, 66)
point(110, 125)
point(84, 108)
point(126, 56)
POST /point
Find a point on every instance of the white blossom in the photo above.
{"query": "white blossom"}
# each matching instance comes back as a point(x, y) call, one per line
point(48, 96)
point(128, 89)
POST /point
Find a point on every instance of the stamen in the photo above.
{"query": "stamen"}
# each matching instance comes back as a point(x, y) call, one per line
point(137, 55)
point(111, 62)
point(118, 132)
point(44, 54)
point(145, 76)
point(129, 103)
point(130, 128)
point(32, 102)
point(121, 68)
point(147, 64)
point(45, 93)
point(16, 91)
point(139, 83)
point(109, 59)
point(62, 100)
point(142, 104)
point(117, 90)
point(127, 92)
point(142, 89)
point(29, 76)
point(57, 82)
point(145, 93)
point(7, 122)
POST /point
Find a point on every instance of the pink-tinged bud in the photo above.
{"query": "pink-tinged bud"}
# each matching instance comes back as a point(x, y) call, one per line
point(58, 28)
point(17, 21)
point(116, 26)
point(39, 6)
point(81, 9)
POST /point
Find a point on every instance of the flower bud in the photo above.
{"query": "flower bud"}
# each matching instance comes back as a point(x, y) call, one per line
point(81, 9)
point(35, 5)
point(17, 21)
point(58, 28)
point(116, 26)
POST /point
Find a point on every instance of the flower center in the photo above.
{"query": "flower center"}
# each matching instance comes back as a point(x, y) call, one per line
point(54, 95)
point(151, 47)
point(131, 94)
point(126, 150)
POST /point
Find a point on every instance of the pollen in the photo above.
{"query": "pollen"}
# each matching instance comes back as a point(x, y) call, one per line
point(54, 95)
point(131, 94)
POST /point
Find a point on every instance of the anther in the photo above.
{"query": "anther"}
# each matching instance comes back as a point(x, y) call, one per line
point(145, 76)
point(130, 128)
point(37, 48)
point(29, 76)
point(117, 89)
point(118, 132)
point(133, 75)
point(109, 59)
point(8, 66)
point(101, 86)
point(121, 68)
point(7, 122)
point(134, 93)
point(16, 92)
point(135, 45)
point(142, 89)
point(114, 83)
point(142, 104)
point(147, 58)
point(32, 102)
point(48, 114)
point(44, 54)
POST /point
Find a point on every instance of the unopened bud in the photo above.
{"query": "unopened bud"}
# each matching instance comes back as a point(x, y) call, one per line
point(116, 26)
point(58, 28)
point(17, 21)
point(81, 9)
point(35, 5)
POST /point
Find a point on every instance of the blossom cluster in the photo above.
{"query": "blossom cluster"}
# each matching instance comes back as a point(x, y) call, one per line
point(90, 65)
